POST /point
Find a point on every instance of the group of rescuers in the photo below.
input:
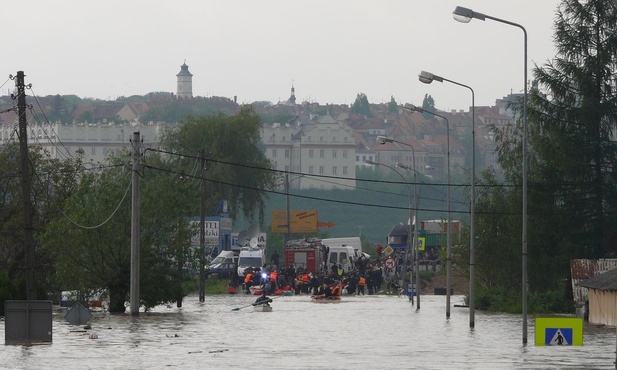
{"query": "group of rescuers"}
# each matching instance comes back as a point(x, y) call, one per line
point(333, 283)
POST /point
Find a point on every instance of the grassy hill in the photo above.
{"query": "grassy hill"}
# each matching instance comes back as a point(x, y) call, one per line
point(371, 209)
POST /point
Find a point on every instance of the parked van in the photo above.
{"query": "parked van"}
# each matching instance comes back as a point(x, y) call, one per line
point(345, 256)
point(223, 265)
point(352, 241)
point(250, 257)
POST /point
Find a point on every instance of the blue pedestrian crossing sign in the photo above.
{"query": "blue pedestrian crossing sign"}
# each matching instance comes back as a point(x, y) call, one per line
point(560, 331)
point(558, 336)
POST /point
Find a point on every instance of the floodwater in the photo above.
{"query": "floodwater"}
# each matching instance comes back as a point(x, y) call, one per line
point(361, 332)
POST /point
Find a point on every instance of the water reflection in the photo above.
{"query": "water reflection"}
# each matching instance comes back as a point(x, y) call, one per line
point(365, 332)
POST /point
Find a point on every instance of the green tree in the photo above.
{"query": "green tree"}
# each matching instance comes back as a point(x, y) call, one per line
point(392, 106)
point(52, 181)
point(92, 244)
point(428, 105)
point(361, 105)
point(572, 179)
point(236, 162)
point(85, 117)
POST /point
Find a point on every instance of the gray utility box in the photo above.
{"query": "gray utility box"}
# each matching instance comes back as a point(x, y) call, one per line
point(27, 322)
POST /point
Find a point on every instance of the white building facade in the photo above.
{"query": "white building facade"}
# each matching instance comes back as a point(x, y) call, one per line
point(319, 153)
point(94, 141)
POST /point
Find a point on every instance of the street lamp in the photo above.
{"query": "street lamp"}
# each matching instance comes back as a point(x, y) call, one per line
point(404, 269)
point(415, 228)
point(465, 15)
point(413, 108)
point(427, 78)
point(382, 140)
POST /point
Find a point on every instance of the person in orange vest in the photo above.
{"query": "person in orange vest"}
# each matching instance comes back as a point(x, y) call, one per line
point(273, 279)
point(361, 284)
point(305, 282)
point(336, 291)
point(248, 281)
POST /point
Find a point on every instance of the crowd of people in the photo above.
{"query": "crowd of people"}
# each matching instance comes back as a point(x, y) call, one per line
point(365, 277)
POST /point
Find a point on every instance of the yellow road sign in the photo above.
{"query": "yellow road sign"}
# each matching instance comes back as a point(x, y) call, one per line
point(389, 250)
point(421, 243)
point(562, 331)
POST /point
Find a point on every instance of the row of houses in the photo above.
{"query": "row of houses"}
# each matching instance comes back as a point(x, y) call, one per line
point(321, 147)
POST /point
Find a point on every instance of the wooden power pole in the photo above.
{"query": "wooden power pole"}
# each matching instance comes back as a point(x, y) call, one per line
point(202, 227)
point(25, 187)
point(135, 226)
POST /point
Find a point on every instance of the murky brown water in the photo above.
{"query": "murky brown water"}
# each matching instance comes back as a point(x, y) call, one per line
point(365, 332)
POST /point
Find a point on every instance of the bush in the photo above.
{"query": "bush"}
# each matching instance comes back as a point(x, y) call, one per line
point(7, 291)
point(502, 300)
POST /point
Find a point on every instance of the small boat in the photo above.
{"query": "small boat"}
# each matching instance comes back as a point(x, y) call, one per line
point(262, 308)
point(324, 299)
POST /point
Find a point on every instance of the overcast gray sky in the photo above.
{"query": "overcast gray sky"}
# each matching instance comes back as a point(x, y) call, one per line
point(331, 49)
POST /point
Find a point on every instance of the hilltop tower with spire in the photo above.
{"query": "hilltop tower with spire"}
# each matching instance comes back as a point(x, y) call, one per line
point(185, 82)
point(292, 98)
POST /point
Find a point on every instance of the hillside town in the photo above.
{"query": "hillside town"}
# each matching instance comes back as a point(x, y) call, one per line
point(330, 141)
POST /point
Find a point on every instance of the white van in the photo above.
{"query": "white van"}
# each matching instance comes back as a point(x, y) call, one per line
point(352, 241)
point(250, 257)
point(342, 255)
point(227, 257)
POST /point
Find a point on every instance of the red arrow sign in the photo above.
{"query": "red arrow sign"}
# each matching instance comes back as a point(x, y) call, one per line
point(325, 224)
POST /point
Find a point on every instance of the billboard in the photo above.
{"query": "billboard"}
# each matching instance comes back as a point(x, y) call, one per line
point(300, 221)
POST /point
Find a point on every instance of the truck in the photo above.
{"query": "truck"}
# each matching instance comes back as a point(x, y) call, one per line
point(317, 255)
point(306, 255)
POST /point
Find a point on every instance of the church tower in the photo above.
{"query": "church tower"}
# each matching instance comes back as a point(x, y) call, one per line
point(292, 98)
point(185, 82)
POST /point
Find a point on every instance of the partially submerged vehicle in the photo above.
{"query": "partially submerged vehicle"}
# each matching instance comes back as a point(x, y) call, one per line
point(223, 265)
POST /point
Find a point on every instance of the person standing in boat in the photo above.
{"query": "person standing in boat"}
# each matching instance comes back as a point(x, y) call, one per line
point(263, 299)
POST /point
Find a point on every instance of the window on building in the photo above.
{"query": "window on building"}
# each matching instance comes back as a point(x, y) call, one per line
point(345, 153)
point(93, 151)
point(283, 139)
point(322, 153)
point(310, 153)
point(286, 153)
point(334, 170)
point(321, 170)
point(273, 153)
point(310, 169)
point(357, 158)
point(321, 138)
point(344, 170)
point(334, 153)
point(286, 168)
point(334, 139)
point(310, 138)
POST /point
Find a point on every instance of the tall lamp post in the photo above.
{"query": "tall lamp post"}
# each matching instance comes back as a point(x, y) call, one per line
point(382, 140)
point(407, 251)
point(415, 228)
point(427, 78)
point(465, 15)
point(413, 108)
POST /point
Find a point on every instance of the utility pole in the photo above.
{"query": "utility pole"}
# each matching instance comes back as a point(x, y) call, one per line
point(25, 187)
point(202, 227)
point(135, 226)
point(287, 213)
